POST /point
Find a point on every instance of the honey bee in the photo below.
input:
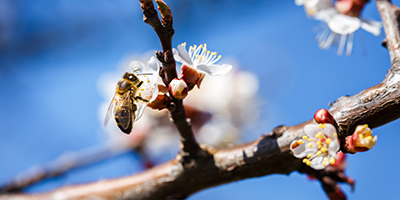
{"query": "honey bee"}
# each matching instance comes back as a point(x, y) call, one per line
point(124, 103)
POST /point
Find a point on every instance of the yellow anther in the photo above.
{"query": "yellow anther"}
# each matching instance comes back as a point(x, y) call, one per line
point(308, 163)
point(318, 153)
point(310, 145)
point(194, 46)
point(335, 134)
point(184, 44)
point(361, 136)
point(332, 161)
point(369, 138)
point(142, 89)
point(300, 142)
point(325, 161)
point(305, 137)
point(323, 149)
point(201, 46)
point(318, 134)
point(364, 127)
point(309, 139)
point(205, 44)
point(213, 53)
point(309, 155)
point(322, 125)
point(148, 81)
point(319, 142)
point(319, 146)
point(219, 56)
point(368, 132)
point(208, 52)
point(144, 75)
point(305, 160)
point(136, 69)
point(328, 140)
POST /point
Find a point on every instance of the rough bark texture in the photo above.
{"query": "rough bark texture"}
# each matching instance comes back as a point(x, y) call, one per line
point(269, 154)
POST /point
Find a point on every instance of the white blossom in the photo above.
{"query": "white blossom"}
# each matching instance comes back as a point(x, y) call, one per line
point(318, 147)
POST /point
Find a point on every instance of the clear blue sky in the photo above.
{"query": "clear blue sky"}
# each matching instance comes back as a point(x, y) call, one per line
point(52, 53)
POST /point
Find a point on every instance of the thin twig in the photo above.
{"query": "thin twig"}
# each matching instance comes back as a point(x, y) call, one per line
point(165, 31)
point(269, 154)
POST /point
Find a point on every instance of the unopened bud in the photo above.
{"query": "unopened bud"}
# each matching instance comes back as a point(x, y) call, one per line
point(178, 88)
point(322, 116)
point(362, 140)
point(191, 76)
point(350, 8)
point(162, 99)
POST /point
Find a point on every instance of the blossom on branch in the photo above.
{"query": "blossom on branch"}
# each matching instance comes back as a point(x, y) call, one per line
point(319, 146)
point(198, 61)
point(341, 22)
point(362, 140)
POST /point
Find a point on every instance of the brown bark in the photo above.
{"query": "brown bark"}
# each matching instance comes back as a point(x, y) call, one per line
point(269, 154)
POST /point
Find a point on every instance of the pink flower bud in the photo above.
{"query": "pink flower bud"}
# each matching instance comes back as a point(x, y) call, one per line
point(350, 8)
point(191, 76)
point(162, 99)
point(178, 88)
point(362, 140)
point(322, 116)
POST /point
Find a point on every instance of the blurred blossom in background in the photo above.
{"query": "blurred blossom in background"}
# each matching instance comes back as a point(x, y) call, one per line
point(60, 62)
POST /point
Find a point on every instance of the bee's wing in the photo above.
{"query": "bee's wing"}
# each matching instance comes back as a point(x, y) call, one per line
point(110, 110)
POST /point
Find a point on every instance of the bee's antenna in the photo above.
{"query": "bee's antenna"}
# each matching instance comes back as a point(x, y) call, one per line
point(145, 74)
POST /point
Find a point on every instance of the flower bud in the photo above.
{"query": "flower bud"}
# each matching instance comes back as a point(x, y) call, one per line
point(350, 8)
point(178, 88)
point(362, 140)
point(322, 116)
point(191, 76)
point(162, 99)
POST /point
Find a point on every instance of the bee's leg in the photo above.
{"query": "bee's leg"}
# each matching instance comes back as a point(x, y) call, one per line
point(139, 84)
point(141, 98)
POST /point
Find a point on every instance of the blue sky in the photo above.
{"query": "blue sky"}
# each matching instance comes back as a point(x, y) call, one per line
point(53, 52)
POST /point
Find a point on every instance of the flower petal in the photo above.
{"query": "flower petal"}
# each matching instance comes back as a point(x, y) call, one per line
point(372, 26)
point(311, 130)
point(299, 151)
point(316, 163)
point(215, 70)
point(334, 146)
point(137, 67)
point(153, 68)
point(325, 14)
point(343, 24)
point(155, 93)
point(140, 109)
point(299, 2)
point(181, 55)
point(329, 130)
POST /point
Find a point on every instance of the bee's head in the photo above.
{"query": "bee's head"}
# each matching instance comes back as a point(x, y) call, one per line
point(132, 77)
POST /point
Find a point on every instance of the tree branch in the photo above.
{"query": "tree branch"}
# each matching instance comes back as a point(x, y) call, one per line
point(269, 154)
point(165, 31)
